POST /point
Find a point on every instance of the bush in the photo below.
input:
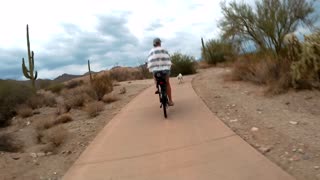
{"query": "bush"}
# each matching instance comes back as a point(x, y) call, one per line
point(183, 64)
point(56, 88)
point(24, 111)
point(266, 71)
point(55, 135)
point(306, 61)
point(94, 108)
point(216, 51)
point(9, 144)
point(73, 84)
point(109, 98)
point(63, 119)
point(11, 94)
point(102, 85)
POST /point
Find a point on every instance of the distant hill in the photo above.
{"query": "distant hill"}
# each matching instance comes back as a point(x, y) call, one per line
point(66, 77)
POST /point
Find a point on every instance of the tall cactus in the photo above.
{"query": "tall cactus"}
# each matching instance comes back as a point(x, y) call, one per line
point(89, 71)
point(206, 53)
point(29, 73)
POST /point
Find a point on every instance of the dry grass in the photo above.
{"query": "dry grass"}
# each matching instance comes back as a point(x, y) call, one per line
point(75, 101)
point(9, 144)
point(102, 85)
point(55, 135)
point(63, 119)
point(44, 124)
point(73, 84)
point(94, 108)
point(45, 98)
point(123, 90)
point(203, 65)
point(24, 111)
point(263, 71)
point(109, 98)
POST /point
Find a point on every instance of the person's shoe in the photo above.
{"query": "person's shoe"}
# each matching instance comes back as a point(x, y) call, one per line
point(170, 103)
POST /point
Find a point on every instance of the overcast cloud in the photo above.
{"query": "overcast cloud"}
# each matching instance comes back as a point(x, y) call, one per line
point(65, 34)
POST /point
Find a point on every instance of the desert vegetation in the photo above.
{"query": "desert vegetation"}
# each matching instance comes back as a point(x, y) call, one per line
point(261, 42)
point(183, 64)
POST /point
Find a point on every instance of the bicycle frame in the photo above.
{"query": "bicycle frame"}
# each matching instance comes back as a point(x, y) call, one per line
point(162, 90)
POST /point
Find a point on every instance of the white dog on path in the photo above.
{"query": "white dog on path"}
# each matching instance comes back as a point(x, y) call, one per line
point(180, 78)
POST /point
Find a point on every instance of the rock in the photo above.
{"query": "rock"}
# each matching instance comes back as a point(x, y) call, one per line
point(287, 103)
point(254, 129)
point(259, 109)
point(217, 96)
point(34, 155)
point(55, 173)
point(270, 127)
point(295, 158)
point(257, 145)
point(234, 120)
point(28, 123)
point(316, 167)
point(41, 154)
point(294, 150)
point(305, 157)
point(308, 97)
point(293, 122)
point(301, 151)
point(49, 153)
point(233, 105)
point(15, 157)
point(265, 149)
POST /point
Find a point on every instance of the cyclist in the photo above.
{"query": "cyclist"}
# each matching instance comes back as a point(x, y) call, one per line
point(159, 60)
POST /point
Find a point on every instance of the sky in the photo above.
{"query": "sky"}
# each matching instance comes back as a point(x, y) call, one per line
point(64, 34)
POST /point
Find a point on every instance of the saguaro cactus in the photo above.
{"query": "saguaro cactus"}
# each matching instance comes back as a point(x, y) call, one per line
point(89, 71)
point(206, 53)
point(29, 73)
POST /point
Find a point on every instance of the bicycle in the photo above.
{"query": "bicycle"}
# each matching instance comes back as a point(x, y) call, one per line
point(162, 90)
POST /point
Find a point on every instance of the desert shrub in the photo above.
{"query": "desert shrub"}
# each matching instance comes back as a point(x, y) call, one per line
point(266, 71)
point(44, 84)
point(63, 119)
point(9, 144)
point(24, 110)
point(44, 124)
point(11, 94)
point(102, 85)
point(144, 71)
point(73, 84)
point(305, 68)
point(216, 51)
point(55, 135)
point(183, 64)
point(56, 88)
point(75, 101)
point(94, 108)
point(109, 98)
point(120, 74)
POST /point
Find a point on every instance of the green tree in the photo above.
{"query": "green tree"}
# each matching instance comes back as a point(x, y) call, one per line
point(267, 23)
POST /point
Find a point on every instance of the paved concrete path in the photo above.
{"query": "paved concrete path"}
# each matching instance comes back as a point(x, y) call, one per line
point(192, 144)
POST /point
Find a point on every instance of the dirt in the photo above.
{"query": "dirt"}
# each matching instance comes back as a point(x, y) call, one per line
point(285, 128)
point(31, 163)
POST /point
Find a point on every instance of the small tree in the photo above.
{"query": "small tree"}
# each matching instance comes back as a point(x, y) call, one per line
point(183, 64)
point(267, 23)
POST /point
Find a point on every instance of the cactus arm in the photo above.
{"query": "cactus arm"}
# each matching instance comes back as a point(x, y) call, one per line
point(89, 71)
point(36, 75)
point(25, 70)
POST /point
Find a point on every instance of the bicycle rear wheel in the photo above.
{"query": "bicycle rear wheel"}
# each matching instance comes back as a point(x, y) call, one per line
point(164, 104)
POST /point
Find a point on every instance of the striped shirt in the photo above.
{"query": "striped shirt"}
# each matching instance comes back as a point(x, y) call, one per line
point(159, 59)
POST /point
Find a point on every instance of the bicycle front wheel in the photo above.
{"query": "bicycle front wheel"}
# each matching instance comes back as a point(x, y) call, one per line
point(164, 104)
